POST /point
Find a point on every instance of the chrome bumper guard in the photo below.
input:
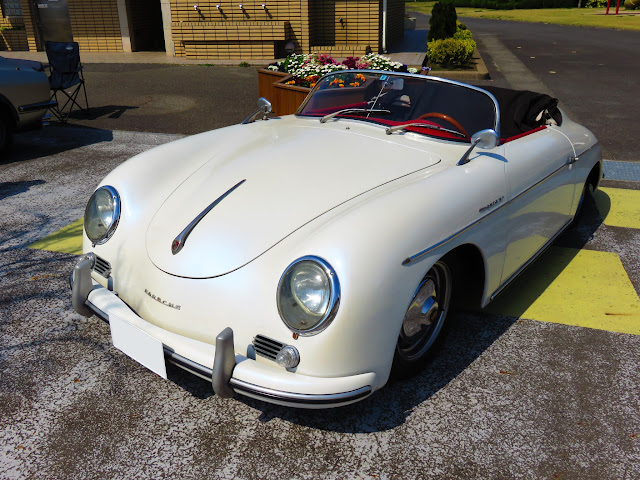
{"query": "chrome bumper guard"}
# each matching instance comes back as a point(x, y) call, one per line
point(224, 360)
point(34, 107)
point(81, 284)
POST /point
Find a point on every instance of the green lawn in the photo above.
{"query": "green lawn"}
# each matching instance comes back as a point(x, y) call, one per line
point(582, 17)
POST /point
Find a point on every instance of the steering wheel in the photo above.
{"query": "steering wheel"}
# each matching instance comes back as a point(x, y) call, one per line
point(446, 118)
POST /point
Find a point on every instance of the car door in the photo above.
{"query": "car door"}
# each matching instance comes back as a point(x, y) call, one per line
point(540, 192)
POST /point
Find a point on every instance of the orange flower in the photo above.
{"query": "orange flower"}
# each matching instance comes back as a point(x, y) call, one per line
point(341, 85)
point(312, 85)
point(290, 82)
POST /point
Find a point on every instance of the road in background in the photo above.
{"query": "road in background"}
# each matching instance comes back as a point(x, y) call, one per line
point(594, 72)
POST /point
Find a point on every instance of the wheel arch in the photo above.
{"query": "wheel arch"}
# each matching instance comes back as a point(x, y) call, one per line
point(8, 111)
point(595, 176)
point(469, 269)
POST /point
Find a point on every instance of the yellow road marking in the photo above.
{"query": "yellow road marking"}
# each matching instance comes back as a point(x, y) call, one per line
point(619, 207)
point(584, 288)
point(65, 240)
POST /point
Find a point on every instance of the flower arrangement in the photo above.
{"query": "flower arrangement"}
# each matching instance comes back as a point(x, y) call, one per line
point(306, 69)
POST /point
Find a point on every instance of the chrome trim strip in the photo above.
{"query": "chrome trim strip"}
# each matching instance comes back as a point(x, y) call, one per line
point(410, 259)
point(578, 155)
point(241, 386)
point(98, 311)
point(188, 365)
point(530, 261)
point(180, 240)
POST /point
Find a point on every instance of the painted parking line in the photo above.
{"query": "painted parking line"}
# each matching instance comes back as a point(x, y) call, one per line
point(618, 207)
point(584, 288)
point(65, 240)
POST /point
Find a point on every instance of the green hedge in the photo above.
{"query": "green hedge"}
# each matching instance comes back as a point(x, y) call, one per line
point(451, 51)
point(520, 4)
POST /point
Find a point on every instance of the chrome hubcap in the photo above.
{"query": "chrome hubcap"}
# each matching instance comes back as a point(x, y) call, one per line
point(426, 314)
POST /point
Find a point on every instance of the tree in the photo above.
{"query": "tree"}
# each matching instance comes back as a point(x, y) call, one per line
point(443, 21)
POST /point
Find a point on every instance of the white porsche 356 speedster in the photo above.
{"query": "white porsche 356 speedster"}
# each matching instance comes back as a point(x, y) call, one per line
point(302, 259)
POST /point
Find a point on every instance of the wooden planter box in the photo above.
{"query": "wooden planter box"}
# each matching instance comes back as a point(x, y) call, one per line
point(285, 99)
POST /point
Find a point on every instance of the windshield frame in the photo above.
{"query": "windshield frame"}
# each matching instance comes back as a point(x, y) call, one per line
point(425, 78)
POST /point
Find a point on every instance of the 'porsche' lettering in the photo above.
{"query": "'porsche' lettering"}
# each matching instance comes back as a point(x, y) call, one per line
point(163, 302)
point(495, 202)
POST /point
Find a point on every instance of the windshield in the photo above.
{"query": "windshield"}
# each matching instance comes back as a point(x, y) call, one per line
point(446, 109)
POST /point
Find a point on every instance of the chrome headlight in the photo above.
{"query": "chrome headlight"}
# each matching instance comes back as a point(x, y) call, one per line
point(102, 214)
point(308, 295)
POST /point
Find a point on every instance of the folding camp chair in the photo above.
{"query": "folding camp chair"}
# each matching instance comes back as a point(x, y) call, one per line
point(65, 76)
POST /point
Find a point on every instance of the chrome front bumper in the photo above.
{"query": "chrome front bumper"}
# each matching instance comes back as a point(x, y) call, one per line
point(230, 373)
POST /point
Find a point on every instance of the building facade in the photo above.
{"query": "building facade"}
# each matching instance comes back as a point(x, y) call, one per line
point(219, 29)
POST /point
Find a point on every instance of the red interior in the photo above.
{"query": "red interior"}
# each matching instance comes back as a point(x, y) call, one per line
point(426, 130)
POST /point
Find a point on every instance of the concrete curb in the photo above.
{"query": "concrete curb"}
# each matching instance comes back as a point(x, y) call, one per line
point(481, 73)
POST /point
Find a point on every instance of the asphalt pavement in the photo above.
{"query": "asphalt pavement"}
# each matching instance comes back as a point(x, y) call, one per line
point(513, 394)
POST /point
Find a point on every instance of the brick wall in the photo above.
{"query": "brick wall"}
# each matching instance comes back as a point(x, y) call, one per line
point(29, 25)
point(95, 25)
point(251, 32)
point(13, 35)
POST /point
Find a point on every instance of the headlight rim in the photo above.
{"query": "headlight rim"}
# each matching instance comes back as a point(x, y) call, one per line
point(334, 296)
point(116, 215)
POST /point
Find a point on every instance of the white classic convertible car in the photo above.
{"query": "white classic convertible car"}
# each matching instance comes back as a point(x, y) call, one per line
point(303, 259)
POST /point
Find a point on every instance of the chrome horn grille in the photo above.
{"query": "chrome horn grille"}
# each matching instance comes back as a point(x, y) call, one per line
point(267, 347)
point(101, 266)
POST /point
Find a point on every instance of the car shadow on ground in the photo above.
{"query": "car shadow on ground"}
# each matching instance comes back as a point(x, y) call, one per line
point(52, 140)
point(468, 335)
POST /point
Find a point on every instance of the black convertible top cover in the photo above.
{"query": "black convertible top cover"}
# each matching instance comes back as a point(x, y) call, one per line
point(520, 109)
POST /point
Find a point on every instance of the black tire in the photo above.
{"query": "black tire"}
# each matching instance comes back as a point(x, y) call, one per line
point(424, 321)
point(587, 191)
point(6, 135)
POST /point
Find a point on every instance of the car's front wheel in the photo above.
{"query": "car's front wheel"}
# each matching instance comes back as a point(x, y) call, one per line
point(6, 134)
point(424, 321)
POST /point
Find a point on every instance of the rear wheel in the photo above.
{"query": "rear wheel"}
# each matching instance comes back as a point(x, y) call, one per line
point(424, 321)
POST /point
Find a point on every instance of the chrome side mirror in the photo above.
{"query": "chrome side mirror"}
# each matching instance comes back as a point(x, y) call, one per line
point(485, 139)
point(264, 109)
point(264, 105)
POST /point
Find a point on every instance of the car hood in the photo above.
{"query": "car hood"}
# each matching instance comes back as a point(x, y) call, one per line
point(292, 174)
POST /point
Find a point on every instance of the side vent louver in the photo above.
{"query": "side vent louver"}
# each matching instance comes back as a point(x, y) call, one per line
point(102, 267)
point(267, 347)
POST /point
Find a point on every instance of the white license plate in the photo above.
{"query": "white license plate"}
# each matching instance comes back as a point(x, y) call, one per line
point(137, 344)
